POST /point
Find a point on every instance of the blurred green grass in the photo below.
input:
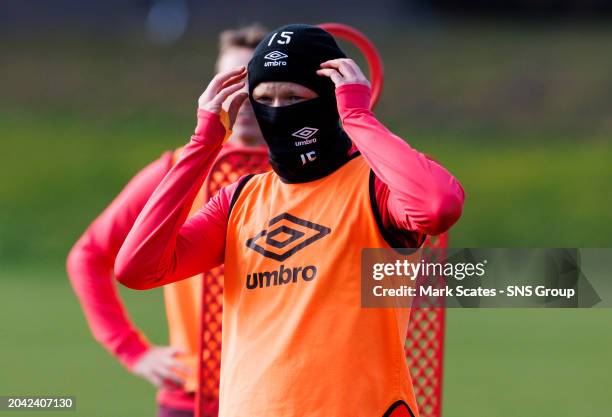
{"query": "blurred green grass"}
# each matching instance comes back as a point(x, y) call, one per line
point(498, 362)
point(46, 347)
point(521, 116)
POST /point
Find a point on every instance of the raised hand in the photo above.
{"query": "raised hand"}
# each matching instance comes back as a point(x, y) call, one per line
point(343, 71)
point(225, 86)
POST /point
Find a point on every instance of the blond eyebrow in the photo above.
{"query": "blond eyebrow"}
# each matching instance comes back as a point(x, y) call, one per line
point(262, 89)
point(293, 90)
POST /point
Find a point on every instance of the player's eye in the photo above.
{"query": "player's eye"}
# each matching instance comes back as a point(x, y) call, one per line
point(264, 99)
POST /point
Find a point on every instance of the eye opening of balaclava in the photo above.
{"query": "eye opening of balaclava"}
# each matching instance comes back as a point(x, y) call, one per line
point(305, 139)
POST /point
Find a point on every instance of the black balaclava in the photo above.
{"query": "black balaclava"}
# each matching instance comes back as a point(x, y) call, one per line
point(305, 139)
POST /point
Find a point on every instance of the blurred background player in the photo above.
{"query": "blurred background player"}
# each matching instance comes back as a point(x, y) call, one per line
point(170, 368)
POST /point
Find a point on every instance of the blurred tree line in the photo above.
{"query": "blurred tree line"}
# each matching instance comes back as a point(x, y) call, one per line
point(110, 16)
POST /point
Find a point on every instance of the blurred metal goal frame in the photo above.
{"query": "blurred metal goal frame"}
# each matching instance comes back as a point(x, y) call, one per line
point(424, 344)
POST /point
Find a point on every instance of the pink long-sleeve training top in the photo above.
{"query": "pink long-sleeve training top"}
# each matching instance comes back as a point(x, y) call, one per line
point(416, 196)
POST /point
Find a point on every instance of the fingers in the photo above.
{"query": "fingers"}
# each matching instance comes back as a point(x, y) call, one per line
point(222, 95)
point(172, 362)
point(172, 351)
point(154, 379)
point(234, 106)
point(166, 376)
point(160, 366)
point(219, 84)
point(170, 359)
point(234, 79)
point(343, 71)
point(223, 79)
point(165, 371)
point(346, 67)
point(335, 76)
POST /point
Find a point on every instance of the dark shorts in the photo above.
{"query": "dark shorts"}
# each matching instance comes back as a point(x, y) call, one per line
point(163, 411)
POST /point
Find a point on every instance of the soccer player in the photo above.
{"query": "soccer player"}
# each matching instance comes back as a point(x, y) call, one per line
point(91, 260)
point(296, 342)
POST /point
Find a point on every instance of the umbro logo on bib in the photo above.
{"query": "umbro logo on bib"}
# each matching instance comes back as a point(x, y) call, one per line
point(286, 234)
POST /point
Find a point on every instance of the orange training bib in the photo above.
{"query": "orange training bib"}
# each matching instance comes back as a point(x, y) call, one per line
point(296, 342)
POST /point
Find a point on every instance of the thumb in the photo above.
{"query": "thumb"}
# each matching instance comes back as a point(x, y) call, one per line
point(173, 351)
point(235, 106)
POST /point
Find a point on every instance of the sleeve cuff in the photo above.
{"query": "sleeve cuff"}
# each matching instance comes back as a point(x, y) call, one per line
point(132, 350)
point(209, 127)
point(353, 97)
